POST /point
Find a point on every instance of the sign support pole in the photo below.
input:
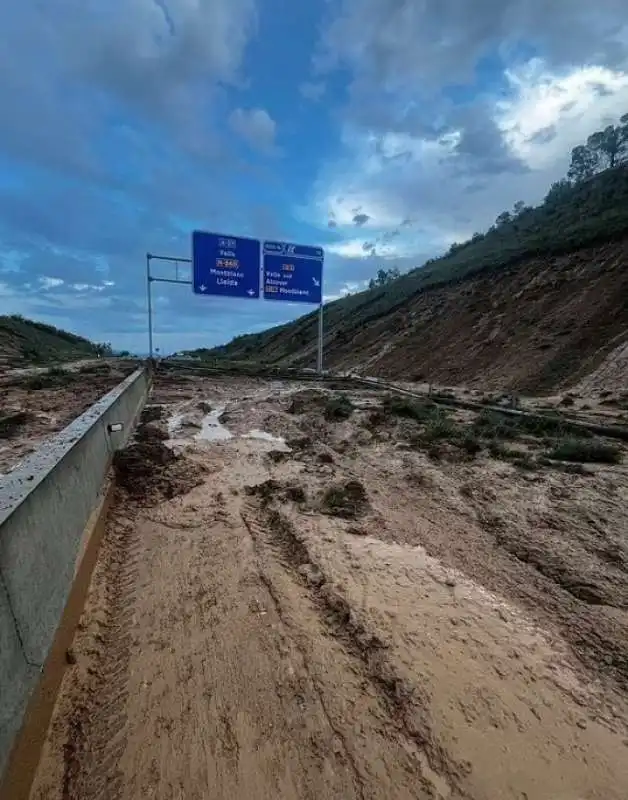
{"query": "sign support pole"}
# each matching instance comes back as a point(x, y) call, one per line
point(319, 365)
point(150, 279)
point(150, 307)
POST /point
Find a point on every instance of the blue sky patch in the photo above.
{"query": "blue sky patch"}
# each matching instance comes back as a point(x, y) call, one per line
point(382, 130)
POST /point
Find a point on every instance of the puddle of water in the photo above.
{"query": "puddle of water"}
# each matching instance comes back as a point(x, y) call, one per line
point(174, 423)
point(267, 437)
point(212, 430)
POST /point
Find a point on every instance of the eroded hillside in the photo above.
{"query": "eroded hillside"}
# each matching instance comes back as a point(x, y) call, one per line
point(533, 327)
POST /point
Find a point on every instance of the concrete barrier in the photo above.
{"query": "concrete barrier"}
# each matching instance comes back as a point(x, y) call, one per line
point(45, 505)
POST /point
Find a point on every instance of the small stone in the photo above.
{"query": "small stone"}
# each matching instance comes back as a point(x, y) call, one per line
point(582, 723)
point(354, 530)
point(450, 582)
point(312, 575)
point(70, 656)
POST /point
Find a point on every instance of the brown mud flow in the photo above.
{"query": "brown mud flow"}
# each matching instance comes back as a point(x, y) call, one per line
point(35, 405)
point(306, 596)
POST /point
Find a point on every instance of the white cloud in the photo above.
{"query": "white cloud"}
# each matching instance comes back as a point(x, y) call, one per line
point(350, 287)
point(91, 287)
point(379, 181)
point(47, 282)
point(363, 248)
point(350, 248)
point(550, 113)
point(256, 127)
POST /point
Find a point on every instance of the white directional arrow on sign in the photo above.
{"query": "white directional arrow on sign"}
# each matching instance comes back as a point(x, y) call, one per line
point(316, 283)
point(203, 288)
point(250, 292)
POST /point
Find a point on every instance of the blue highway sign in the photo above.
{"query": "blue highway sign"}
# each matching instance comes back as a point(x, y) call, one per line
point(292, 272)
point(228, 266)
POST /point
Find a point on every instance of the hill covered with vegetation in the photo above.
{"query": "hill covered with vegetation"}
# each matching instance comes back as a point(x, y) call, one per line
point(587, 209)
point(24, 342)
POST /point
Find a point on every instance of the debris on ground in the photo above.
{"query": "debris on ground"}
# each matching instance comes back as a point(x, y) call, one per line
point(149, 470)
point(347, 499)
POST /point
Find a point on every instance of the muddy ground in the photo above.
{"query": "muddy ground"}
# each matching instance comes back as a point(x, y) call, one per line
point(308, 593)
point(36, 403)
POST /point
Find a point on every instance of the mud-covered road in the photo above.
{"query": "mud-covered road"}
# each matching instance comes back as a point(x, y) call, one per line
point(304, 593)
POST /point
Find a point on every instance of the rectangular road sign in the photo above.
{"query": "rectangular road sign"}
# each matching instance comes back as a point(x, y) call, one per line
point(292, 272)
point(228, 266)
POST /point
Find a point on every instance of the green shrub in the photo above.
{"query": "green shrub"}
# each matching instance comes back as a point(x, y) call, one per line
point(439, 427)
point(593, 451)
point(419, 410)
point(470, 444)
point(496, 425)
point(500, 451)
point(338, 408)
point(493, 425)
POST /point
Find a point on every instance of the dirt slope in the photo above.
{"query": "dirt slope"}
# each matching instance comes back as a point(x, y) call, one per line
point(306, 604)
point(535, 327)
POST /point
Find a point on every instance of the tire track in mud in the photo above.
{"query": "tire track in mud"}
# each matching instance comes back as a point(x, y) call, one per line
point(255, 529)
point(405, 708)
point(97, 724)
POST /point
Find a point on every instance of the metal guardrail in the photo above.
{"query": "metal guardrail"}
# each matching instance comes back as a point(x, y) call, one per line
point(611, 431)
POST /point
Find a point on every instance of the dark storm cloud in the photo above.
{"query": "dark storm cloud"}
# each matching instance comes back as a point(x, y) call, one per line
point(360, 219)
point(481, 145)
point(438, 42)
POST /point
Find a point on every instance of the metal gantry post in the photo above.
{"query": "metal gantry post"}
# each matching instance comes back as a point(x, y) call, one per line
point(150, 306)
point(319, 366)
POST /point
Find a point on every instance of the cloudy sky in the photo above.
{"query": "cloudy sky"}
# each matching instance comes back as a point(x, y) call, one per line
point(383, 130)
